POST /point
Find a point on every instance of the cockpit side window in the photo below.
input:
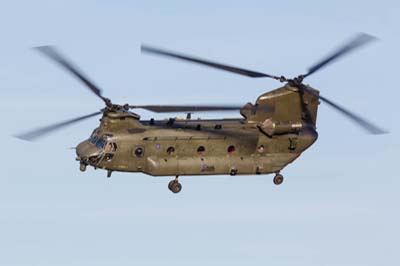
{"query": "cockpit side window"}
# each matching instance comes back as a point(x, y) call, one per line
point(100, 143)
point(111, 147)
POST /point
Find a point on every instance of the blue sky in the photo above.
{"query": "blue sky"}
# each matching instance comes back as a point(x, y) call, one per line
point(337, 206)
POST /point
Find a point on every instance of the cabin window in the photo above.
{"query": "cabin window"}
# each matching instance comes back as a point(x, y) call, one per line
point(170, 150)
point(231, 149)
point(139, 152)
point(260, 148)
point(201, 150)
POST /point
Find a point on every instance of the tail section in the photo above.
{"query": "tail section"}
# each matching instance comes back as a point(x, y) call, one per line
point(291, 110)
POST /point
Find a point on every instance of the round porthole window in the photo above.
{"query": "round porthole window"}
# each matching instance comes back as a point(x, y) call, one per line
point(260, 148)
point(201, 150)
point(139, 152)
point(170, 150)
point(231, 149)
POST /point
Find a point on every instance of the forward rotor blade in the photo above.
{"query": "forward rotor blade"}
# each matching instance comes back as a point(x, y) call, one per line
point(40, 132)
point(359, 40)
point(236, 70)
point(368, 126)
point(56, 56)
point(196, 108)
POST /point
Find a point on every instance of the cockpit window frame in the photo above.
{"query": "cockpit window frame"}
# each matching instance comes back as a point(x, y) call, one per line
point(94, 136)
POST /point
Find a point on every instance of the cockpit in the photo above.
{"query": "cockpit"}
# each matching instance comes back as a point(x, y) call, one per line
point(104, 144)
point(97, 140)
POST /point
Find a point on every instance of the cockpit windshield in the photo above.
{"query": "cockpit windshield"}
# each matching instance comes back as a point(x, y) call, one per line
point(100, 143)
point(97, 140)
point(105, 143)
point(94, 137)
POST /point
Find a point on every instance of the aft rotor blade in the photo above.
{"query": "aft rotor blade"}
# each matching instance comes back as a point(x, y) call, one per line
point(56, 56)
point(236, 70)
point(368, 126)
point(196, 108)
point(359, 40)
point(40, 132)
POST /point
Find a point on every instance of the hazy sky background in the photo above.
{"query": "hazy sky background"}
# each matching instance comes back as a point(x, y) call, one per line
point(339, 204)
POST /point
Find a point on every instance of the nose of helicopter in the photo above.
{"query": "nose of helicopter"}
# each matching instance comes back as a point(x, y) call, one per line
point(86, 150)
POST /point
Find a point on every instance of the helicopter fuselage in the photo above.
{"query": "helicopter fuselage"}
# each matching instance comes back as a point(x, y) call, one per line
point(271, 133)
point(260, 143)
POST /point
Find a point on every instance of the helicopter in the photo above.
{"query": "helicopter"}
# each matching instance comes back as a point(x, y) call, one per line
point(272, 132)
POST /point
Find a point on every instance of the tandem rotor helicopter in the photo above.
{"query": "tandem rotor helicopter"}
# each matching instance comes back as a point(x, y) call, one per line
point(272, 132)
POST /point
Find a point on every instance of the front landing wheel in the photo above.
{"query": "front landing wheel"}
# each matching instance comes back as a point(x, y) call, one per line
point(175, 186)
point(278, 179)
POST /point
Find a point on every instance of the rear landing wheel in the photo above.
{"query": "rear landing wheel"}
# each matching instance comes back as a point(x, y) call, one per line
point(175, 186)
point(278, 179)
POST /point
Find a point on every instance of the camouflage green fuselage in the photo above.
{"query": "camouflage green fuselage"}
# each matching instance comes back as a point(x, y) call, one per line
point(260, 143)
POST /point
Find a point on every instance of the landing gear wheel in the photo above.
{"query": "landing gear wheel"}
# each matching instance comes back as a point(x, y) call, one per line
point(170, 184)
point(278, 179)
point(175, 186)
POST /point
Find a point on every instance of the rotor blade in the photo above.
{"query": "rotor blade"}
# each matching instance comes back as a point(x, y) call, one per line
point(194, 108)
point(53, 54)
point(359, 40)
point(368, 126)
point(40, 132)
point(236, 70)
point(186, 108)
